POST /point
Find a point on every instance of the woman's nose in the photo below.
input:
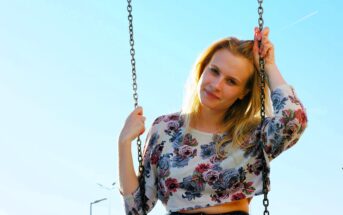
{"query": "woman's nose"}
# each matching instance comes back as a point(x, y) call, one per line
point(217, 83)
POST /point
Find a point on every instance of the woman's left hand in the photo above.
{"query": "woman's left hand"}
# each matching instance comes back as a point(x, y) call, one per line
point(266, 50)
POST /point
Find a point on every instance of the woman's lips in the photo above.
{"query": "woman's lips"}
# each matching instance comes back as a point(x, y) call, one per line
point(211, 95)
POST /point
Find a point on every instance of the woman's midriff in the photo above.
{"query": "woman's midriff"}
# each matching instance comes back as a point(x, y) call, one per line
point(239, 205)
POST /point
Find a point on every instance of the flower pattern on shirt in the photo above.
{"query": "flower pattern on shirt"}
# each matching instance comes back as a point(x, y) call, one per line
point(184, 172)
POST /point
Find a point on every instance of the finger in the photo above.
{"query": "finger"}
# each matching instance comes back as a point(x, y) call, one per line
point(265, 31)
point(256, 49)
point(256, 30)
point(267, 44)
point(139, 110)
point(266, 48)
point(257, 34)
point(265, 34)
point(265, 41)
point(142, 132)
point(268, 53)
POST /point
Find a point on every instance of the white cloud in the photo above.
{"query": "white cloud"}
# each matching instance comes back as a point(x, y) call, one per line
point(300, 20)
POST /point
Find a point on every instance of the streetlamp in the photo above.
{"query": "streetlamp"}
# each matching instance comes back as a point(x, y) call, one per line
point(97, 201)
point(109, 195)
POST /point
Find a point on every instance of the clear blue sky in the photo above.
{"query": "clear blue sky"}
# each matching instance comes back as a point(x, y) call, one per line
point(65, 92)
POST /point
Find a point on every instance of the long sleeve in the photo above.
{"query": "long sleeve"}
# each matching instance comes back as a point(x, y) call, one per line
point(133, 203)
point(289, 121)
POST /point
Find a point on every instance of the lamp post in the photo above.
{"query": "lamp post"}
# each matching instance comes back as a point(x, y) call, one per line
point(96, 201)
point(109, 195)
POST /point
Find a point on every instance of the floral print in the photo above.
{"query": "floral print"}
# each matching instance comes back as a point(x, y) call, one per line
point(184, 172)
point(208, 150)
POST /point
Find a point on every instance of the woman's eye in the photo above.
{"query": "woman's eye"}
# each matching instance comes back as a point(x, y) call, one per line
point(213, 70)
point(231, 82)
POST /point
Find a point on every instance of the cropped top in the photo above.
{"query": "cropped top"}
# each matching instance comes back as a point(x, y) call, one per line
point(184, 172)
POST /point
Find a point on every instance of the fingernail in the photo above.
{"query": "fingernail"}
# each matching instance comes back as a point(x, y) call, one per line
point(259, 36)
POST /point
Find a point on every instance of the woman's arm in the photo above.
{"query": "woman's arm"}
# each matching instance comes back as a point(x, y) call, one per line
point(284, 129)
point(127, 177)
point(129, 185)
point(267, 52)
point(134, 126)
point(275, 77)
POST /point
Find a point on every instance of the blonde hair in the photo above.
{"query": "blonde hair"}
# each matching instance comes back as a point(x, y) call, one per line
point(242, 116)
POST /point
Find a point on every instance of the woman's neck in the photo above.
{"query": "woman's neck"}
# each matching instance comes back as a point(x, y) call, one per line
point(208, 121)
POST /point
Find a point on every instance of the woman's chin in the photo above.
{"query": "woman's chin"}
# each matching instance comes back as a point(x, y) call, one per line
point(209, 106)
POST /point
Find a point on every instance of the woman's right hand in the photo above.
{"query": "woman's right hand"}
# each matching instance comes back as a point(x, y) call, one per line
point(134, 126)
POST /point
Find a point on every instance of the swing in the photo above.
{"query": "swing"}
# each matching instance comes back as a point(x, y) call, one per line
point(135, 97)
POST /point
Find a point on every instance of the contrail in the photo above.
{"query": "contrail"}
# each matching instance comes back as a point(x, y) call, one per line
point(300, 20)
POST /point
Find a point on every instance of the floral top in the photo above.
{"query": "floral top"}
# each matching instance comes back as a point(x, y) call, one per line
point(183, 171)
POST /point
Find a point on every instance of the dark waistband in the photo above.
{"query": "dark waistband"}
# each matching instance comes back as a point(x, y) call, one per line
point(228, 213)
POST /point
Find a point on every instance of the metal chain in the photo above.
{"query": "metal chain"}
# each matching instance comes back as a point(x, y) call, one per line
point(135, 97)
point(263, 114)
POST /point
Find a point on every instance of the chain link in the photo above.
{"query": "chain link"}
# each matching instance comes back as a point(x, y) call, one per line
point(135, 97)
point(263, 114)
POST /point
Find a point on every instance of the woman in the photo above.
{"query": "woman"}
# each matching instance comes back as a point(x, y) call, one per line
point(206, 158)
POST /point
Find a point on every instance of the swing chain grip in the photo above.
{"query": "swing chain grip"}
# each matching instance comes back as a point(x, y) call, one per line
point(141, 178)
point(135, 97)
point(265, 177)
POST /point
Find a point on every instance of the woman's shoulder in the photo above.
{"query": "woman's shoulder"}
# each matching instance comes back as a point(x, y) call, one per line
point(167, 118)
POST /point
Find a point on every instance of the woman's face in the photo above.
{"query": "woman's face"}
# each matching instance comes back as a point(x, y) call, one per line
point(223, 80)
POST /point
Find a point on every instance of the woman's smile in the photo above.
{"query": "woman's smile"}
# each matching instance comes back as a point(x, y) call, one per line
point(210, 95)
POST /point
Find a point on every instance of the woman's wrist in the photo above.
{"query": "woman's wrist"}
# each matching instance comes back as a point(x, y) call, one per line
point(271, 68)
point(124, 143)
point(274, 76)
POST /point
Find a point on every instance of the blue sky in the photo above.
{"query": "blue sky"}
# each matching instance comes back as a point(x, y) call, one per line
point(65, 90)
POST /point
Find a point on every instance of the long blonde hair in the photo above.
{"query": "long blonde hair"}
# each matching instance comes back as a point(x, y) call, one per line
point(242, 116)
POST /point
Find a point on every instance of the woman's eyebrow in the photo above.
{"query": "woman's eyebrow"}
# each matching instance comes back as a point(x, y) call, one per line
point(227, 76)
